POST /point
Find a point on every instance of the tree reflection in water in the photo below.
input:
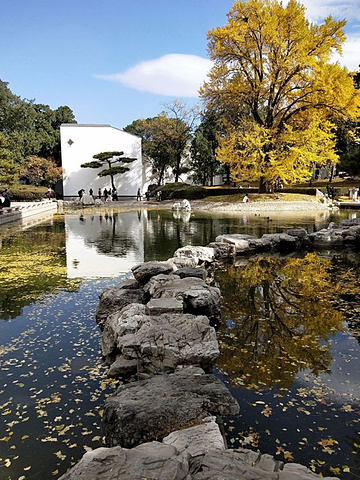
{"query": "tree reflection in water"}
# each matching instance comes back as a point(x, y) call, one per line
point(278, 316)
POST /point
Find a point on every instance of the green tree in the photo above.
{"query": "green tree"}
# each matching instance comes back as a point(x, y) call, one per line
point(203, 162)
point(275, 87)
point(179, 131)
point(31, 128)
point(8, 168)
point(166, 138)
point(350, 162)
point(41, 171)
point(157, 148)
point(113, 161)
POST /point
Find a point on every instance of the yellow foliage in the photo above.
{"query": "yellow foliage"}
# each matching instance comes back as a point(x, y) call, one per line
point(281, 309)
point(275, 87)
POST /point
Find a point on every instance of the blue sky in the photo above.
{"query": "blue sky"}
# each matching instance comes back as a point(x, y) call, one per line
point(113, 61)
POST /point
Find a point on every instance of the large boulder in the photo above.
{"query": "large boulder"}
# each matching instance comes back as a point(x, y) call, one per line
point(166, 341)
point(151, 409)
point(328, 237)
point(164, 461)
point(280, 241)
point(115, 299)
point(198, 298)
point(182, 262)
point(248, 465)
point(186, 272)
point(197, 440)
point(148, 461)
point(239, 242)
point(144, 271)
point(200, 254)
point(121, 322)
point(222, 250)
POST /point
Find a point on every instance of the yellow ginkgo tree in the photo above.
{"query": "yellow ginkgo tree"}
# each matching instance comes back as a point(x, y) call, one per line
point(276, 88)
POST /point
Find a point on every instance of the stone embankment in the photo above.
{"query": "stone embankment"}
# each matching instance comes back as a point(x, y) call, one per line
point(158, 325)
point(20, 211)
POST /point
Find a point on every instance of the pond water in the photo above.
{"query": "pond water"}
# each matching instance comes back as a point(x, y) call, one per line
point(297, 383)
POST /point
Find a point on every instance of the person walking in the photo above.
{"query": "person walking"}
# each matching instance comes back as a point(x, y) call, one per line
point(6, 202)
point(138, 195)
point(99, 193)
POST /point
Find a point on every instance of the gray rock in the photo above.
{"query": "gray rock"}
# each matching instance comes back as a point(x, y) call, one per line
point(237, 464)
point(327, 237)
point(301, 236)
point(240, 242)
point(248, 465)
point(122, 366)
point(127, 320)
point(115, 299)
point(280, 241)
point(186, 272)
point(151, 409)
point(144, 271)
point(129, 283)
point(260, 245)
point(157, 306)
point(349, 222)
point(200, 254)
point(197, 440)
point(198, 297)
point(166, 341)
point(183, 262)
point(156, 282)
point(152, 461)
point(223, 250)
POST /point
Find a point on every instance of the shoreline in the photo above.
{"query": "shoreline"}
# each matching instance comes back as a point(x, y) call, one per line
point(198, 206)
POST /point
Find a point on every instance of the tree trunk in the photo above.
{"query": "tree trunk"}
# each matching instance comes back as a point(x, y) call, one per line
point(332, 174)
point(112, 182)
point(161, 175)
point(177, 167)
point(263, 185)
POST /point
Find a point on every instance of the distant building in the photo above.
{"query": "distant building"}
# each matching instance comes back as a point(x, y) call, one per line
point(79, 143)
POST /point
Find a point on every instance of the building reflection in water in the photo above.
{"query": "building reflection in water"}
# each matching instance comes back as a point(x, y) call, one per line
point(103, 245)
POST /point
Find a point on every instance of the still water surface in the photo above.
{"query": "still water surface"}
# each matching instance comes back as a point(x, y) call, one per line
point(299, 399)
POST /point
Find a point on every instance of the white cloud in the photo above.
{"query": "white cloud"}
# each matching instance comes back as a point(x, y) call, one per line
point(174, 74)
point(350, 57)
point(319, 9)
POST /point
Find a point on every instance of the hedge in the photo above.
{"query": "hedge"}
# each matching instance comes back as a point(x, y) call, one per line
point(180, 190)
point(25, 193)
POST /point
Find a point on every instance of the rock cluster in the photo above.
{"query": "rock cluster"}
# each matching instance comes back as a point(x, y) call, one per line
point(159, 321)
point(166, 425)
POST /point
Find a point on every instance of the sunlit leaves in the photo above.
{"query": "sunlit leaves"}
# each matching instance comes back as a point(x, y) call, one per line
point(273, 83)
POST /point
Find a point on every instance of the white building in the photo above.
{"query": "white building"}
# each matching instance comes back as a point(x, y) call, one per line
point(79, 143)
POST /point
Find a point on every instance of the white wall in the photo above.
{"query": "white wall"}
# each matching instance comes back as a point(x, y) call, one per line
point(78, 145)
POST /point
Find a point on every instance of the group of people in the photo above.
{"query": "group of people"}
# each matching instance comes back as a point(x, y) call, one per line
point(147, 195)
point(107, 194)
point(110, 194)
point(5, 199)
